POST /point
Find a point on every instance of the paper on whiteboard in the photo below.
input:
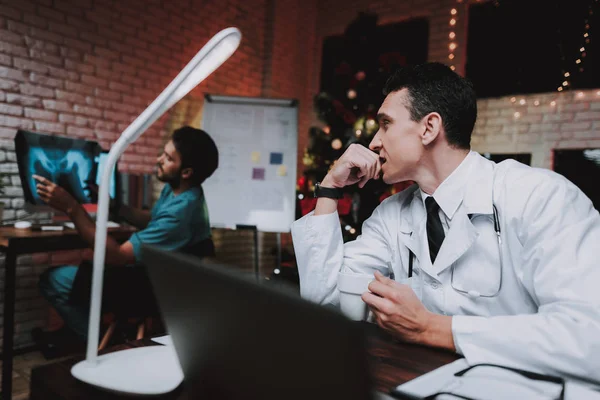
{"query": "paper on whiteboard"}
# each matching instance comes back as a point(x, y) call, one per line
point(232, 166)
point(237, 127)
point(266, 195)
point(280, 128)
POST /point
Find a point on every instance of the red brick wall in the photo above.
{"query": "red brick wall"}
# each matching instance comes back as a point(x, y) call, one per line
point(87, 69)
point(292, 69)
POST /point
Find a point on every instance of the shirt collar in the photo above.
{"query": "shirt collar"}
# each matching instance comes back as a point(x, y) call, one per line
point(449, 195)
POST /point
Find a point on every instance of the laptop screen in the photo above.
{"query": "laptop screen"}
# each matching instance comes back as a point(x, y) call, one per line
point(238, 339)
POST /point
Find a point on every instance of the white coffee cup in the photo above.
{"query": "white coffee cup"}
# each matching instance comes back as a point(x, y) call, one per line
point(351, 287)
point(416, 284)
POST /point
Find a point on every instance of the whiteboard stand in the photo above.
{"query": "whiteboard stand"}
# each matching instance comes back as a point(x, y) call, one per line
point(255, 232)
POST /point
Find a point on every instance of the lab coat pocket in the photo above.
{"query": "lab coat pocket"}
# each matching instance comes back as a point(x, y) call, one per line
point(478, 272)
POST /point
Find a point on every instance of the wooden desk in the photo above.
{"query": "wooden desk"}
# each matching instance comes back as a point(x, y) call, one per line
point(15, 242)
point(393, 363)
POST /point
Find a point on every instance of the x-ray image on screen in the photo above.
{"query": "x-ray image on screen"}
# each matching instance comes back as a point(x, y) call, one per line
point(70, 163)
point(101, 162)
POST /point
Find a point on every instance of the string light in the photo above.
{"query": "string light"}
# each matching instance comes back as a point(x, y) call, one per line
point(520, 105)
point(452, 35)
point(336, 144)
point(582, 52)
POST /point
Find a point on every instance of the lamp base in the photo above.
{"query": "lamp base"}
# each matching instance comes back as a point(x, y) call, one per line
point(148, 370)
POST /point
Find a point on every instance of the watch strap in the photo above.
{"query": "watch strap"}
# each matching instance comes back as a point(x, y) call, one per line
point(332, 193)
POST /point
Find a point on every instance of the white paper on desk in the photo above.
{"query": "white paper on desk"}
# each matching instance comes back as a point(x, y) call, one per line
point(490, 384)
point(166, 340)
point(109, 224)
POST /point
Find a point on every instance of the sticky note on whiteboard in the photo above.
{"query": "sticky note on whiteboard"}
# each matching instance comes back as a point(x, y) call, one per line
point(282, 170)
point(258, 174)
point(276, 158)
point(255, 156)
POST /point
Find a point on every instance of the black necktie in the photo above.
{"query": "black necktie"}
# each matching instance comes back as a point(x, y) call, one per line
point(435, 230)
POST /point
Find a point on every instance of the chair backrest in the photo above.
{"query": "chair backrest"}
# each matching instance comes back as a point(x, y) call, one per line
point(202, 249)
point(127, 291)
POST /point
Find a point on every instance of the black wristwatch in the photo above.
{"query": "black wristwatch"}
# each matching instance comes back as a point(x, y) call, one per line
point(332, 193)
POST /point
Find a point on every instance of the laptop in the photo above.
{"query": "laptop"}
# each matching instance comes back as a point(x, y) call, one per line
point(237, 339)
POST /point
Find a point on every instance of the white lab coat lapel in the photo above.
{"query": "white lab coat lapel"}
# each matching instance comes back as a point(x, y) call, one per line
point(412, 228)
point(477, 200)
point(417, 216)
point(460, 238)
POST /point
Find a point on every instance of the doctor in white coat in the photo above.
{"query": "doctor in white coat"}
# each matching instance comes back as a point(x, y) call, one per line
point(530, 300)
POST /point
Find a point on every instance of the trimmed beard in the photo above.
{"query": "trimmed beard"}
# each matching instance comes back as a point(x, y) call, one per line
point(173, 180)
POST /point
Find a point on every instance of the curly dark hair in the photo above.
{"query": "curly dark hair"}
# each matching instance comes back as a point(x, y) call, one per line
point(198, 151)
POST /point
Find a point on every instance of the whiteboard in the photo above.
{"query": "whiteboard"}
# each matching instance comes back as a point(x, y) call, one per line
point(255, 183)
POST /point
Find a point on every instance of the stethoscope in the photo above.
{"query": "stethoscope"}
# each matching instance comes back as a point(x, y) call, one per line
point(471, 293)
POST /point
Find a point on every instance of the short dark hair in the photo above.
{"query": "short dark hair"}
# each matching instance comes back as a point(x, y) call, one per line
point(434, 87)
point(197, 151)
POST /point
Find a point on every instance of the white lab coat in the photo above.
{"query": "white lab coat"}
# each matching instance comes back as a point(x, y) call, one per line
point(546, 317)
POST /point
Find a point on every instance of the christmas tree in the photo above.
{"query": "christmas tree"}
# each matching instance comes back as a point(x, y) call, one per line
point(347, 107)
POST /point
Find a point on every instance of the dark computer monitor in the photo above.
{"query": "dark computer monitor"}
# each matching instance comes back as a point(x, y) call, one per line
point(73, 164)
point(582, 167)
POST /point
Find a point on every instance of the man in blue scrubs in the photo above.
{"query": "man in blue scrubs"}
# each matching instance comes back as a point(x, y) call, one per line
point(178, 221)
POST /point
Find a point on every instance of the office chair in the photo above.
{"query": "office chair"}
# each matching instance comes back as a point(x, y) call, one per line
point(139, 305)
point(128, 293)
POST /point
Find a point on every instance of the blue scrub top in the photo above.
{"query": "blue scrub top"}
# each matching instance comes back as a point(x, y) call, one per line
point(177, 221)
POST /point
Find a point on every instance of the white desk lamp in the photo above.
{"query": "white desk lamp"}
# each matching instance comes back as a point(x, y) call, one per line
point(155, 369)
